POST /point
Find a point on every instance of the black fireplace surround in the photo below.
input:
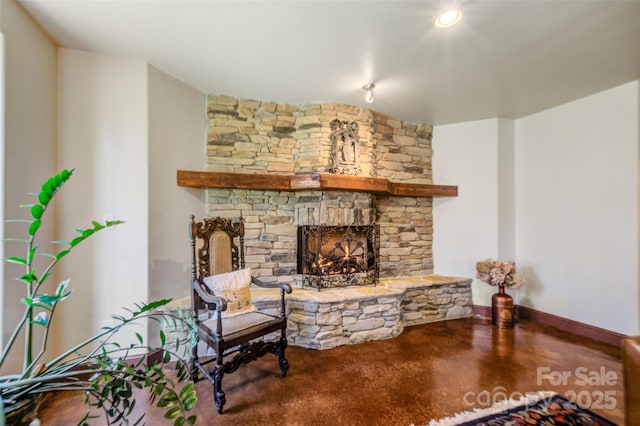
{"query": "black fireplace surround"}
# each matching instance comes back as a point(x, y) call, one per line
point(338, 256)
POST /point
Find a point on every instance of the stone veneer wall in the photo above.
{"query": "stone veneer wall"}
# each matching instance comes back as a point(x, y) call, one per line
point(326, 319)
point(406, 236)
point(248, 136)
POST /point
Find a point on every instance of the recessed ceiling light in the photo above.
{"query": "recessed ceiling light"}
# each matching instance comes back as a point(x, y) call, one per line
point(448, 18)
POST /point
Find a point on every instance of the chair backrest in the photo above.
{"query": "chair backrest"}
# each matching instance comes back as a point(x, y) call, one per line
point(217, 245)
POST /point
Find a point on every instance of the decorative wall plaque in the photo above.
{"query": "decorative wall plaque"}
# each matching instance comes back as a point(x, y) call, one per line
point(345, 148)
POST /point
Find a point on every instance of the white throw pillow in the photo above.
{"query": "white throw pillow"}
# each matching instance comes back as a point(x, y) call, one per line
point(234, 287)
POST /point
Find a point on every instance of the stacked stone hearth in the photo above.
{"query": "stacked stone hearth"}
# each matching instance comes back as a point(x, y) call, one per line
point(246, 136)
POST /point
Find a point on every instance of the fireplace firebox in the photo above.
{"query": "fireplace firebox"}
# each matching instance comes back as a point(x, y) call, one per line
point(338, 256)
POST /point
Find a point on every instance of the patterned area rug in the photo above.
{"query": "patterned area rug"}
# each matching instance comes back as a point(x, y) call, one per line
point(541, 408)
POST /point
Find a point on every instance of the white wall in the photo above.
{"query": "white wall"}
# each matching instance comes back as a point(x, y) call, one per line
point(466, 228)
point(556, 191)
point(127, 128)
point(577, 209)
point(177, 134)
point(506, 189)
point(103, 134)
point(29, 135)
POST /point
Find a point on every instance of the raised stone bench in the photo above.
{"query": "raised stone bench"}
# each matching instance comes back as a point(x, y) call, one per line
point(329, 318)
point(432, 298)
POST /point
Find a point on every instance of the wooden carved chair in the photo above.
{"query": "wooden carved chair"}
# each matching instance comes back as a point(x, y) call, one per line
point(227, 321)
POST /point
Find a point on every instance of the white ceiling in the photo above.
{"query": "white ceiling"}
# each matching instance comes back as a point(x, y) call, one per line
point(504, 59)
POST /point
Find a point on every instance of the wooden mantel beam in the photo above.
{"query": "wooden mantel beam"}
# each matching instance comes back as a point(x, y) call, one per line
point(310, 182)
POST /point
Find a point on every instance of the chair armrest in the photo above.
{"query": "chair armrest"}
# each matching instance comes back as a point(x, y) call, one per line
point(219, 303)
point(284, 286)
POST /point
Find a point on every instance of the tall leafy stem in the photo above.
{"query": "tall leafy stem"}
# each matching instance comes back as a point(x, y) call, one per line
point(34, 300)
point(99, 366)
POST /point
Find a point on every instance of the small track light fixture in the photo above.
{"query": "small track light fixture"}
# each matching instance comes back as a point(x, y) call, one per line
point(368, 88)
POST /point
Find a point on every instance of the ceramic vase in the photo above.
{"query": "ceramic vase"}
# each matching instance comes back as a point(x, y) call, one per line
point(502, 309)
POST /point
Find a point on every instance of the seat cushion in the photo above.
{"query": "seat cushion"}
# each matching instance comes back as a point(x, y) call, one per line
point(234, 287)
point(239, 322)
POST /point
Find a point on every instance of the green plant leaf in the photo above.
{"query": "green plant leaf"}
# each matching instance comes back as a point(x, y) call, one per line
point(49, 186)
point(17, 240)
point(66, 174)
point(133, 404)
point(158, 389)
point(62, 254)
point(62, 288)
point(44, 198)
point(173, 413)
point(186, 390)
point(14, 259)
point(27, 301)
point(46, 300)
point(17, 221)
point(76, 241)
point(163, 338)
point(35, 225)
point(41, 319)
point(182, 371)
point(32, 253)
point(153, 305)
point(169, 399)
point(191, 420)
point(126, 391)
point(36, 211)
point(179, 421)
point(29, 278)
point(190, 402)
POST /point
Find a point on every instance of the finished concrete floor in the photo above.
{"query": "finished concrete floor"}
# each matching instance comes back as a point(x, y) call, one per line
point(429, 371)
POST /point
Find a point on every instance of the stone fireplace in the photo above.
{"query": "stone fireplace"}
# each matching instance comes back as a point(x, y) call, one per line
point(253, 137)
point(274, 158)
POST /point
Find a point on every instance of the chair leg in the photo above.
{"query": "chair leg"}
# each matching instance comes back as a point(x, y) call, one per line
point(193, 365)
point(284, 364)
point(218, 394)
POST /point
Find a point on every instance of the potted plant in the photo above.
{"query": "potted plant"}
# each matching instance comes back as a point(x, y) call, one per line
point(106, 371)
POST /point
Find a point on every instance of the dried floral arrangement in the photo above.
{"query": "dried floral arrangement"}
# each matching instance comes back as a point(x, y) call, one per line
point(499, 272)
